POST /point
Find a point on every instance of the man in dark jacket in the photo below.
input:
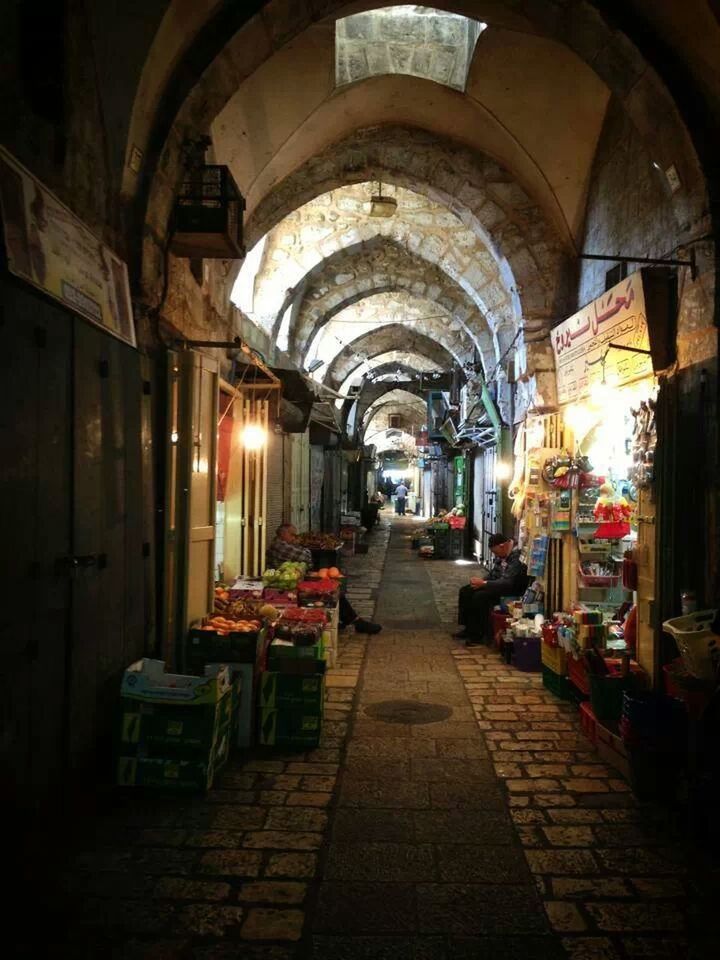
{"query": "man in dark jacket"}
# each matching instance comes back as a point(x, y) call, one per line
point(507, 578)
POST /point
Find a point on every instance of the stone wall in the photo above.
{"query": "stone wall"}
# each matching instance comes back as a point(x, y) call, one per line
point(630, 211)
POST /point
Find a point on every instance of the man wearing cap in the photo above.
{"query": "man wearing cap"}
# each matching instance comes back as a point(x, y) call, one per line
point(507, 578)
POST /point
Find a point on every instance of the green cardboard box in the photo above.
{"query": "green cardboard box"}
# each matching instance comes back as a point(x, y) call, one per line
point(289, 728)
point(172, 716)
point(282, 691)
point(289, 651)
point(174, 773)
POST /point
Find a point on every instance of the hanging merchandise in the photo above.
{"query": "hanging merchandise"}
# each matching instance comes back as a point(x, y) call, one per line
point(538, 556)
point(612, 512)
point(560, 512)
point(644, 442)
point(565, 472)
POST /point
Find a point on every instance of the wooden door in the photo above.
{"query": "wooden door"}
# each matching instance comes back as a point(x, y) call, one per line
point(645, 553)
point(189, 505)
point(35, 439)
point(108, 605)
point(198, 483)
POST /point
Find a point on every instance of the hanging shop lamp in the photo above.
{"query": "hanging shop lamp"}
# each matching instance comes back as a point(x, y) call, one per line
point(381, 206)
point(253, 436)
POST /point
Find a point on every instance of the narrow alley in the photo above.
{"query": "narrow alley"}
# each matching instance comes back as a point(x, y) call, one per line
point(454, 809)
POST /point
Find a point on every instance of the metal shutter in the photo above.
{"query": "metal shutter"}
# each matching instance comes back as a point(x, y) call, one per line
point(275, 484)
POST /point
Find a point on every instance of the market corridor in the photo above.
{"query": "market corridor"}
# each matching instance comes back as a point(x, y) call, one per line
point(453, 810)
point(423, 858)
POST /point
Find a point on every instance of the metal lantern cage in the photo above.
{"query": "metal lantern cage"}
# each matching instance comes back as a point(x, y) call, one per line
point(209, 215)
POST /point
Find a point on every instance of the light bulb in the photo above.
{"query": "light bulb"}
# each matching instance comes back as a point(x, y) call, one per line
point(503, 471)
point(253, 437)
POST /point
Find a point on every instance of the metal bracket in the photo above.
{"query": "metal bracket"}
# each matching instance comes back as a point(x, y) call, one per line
point(653, 261)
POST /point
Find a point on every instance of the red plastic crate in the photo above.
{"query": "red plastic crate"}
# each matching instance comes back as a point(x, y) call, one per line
point(588, 722)
point(498, 625)
point(577, 674)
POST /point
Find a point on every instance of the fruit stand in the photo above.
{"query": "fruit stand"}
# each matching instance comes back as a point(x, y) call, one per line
point(255, 664)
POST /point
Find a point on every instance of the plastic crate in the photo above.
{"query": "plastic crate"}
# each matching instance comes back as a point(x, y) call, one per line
point(697, 644)
point(606, 696)
point(683, 685)
point(602, 583)
point(578, 675)
point(554, 658)
point(589, 550)
point(558, 685)
point(526, 654)
point(588, 722)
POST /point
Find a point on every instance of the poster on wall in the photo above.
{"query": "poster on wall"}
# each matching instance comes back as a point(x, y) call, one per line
point(49, 247)
point(582, 341)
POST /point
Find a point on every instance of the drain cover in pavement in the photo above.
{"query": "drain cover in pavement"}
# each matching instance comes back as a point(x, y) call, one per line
point(408, 711)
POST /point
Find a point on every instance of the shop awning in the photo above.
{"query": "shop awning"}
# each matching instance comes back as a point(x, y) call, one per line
point(482, 425)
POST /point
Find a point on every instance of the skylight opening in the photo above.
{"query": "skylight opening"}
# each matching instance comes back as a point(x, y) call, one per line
point(411, 40)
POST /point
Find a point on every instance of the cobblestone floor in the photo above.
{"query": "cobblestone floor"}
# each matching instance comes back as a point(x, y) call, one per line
point(495, 831)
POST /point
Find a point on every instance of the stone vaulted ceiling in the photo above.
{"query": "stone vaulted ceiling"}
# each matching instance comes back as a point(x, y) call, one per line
point(329, 254)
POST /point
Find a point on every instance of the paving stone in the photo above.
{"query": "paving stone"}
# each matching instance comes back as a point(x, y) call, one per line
point(569, 836)
point(291, 865)
point(574, 815)
point(564, 917)
point(273, 891)
point(472, 909)
point(380, 862)
point(658, 887)
point(482, 795)
point(296, 818)
point(378, 793)
point(205, 920)
point(349, 825)
point(479, 864)
point(586, 888)
point(282, 840)
point(230, 863)
point(377, 768)
point(454, 826)
point(590, 948)
point(629, 917)
point(315, 784)
point(265, 923)
point(378, 948)
point(238, 818)
point(180, 888)
point(308, 799)
point(369, 908)
point(638, 861)
point(559, 862)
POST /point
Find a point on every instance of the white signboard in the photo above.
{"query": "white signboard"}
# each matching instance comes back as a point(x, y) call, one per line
point(581, 342)
point(48, 246)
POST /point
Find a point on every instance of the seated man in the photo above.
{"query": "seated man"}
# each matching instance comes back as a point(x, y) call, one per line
point(508, 577)
point(285, 547)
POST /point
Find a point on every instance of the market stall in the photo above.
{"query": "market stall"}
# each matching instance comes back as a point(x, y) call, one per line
point(584, 499)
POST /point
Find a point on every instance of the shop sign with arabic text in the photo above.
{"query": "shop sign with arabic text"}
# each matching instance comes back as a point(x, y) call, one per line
point(580, 342)
point(48, 246)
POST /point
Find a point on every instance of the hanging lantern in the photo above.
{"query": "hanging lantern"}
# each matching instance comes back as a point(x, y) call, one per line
point(209, 215)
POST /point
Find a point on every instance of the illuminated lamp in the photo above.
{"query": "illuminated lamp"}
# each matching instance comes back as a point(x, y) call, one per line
point(380, 206)
point(503, 471)
point(253, 437)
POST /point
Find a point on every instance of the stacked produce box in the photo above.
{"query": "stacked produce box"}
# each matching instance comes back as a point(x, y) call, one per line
point(292, 688)
point(173, 730)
